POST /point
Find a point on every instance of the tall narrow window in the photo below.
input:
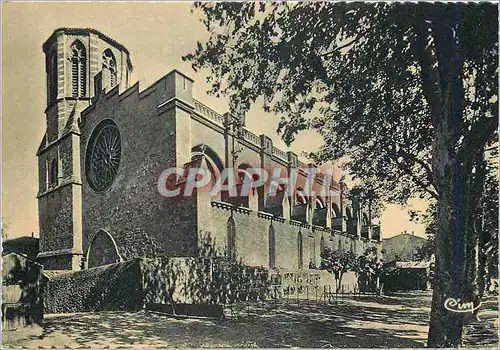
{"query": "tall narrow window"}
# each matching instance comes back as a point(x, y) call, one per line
point(272, 248)
point(231, 238)
point(321, 245)
point(52, 76)
point(299, 250)
point(109, 66)
point(47, 174)
point(53, 174)
point(78, 69)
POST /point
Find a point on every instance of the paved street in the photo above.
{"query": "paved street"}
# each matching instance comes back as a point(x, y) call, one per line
point(397, 321)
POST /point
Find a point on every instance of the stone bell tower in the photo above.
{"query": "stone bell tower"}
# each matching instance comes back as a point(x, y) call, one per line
point(73, 57)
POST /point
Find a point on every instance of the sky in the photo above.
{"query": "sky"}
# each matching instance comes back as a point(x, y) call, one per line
point(157, 36)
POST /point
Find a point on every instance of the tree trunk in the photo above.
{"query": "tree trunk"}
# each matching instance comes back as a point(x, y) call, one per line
point(481, 256)
point(339, 282)
point(482, 238)
point(441, 72)
point(445, 329)
point(446, 326)
point(456, 254)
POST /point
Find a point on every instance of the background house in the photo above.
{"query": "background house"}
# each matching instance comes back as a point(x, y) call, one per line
point(27, 246)
point(22, 303)
point(402, 247)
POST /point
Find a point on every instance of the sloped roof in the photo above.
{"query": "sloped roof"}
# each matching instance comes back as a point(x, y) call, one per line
point(24, 246)
point(43, 144)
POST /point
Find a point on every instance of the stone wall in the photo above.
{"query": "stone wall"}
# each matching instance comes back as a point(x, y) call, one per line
point(139, 283)
point(177, 282)
point(141, 221)
point(201, 281)
point(56, 222)
point(158, 128)
point(253, 238)
point(109, 287)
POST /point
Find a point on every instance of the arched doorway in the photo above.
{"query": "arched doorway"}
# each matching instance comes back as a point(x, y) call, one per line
point(103, 250)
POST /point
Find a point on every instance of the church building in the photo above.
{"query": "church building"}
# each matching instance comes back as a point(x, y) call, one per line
point(107, 143)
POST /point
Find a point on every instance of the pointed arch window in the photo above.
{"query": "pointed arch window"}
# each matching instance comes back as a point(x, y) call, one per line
point(52, 76)
point(109, 66)
point(210, 161)
point(300, 250)
point(231, 238)
point(272, 248)
point(78, 69)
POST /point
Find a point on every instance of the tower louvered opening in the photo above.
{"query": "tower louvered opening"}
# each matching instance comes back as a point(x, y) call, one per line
point(109, 65)
point(78, 69)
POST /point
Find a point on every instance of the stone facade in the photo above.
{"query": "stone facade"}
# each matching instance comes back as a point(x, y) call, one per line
point(160, 127)
point(73, 58)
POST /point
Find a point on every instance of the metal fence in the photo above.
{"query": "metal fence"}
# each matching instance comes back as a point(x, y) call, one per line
point(276, 296)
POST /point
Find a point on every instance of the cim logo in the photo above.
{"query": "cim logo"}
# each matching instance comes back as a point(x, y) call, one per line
point(455, 305)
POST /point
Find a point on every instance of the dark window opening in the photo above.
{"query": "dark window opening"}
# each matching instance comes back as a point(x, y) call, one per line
point(78, 69)
point(53, 174)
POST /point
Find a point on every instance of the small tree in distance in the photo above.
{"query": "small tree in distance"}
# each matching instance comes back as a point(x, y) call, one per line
point(370, 269)
point(338, 262)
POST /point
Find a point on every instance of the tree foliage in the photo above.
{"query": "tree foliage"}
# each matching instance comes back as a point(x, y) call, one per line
point(407, 93)
point(354, 73)
point(338, 262)
point(369, 263)
point(371, 270)
point(366, 195)
point(367, 266)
